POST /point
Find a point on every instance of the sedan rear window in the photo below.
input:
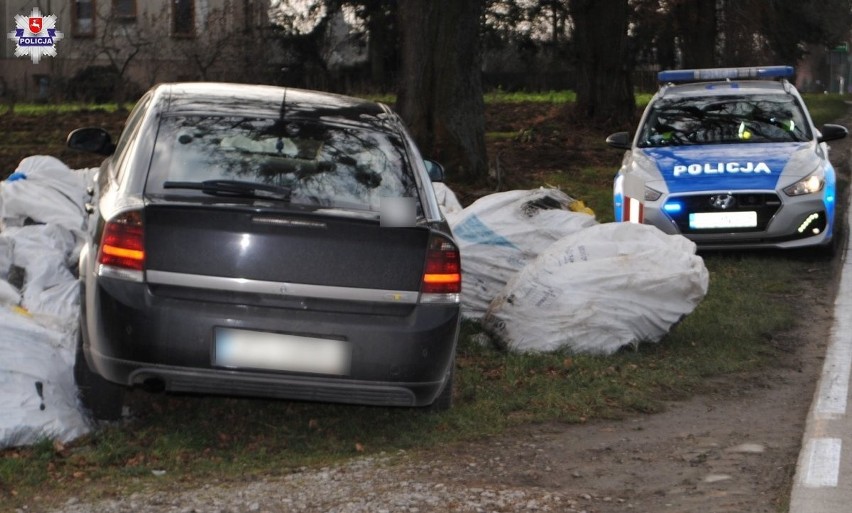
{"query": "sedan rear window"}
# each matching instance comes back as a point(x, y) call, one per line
point(724, 120)
point(320, 165)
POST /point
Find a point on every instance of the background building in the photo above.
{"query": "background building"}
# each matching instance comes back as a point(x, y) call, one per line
point(114, 49)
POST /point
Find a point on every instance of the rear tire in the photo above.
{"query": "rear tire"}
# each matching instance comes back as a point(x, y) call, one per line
point(444, 401)
point(104, 400)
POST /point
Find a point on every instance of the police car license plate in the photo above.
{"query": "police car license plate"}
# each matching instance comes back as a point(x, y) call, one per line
point(710, 220)
point(274, 351)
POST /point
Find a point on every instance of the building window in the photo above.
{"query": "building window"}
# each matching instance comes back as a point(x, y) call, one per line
point(183, 18)
point(125, 9)
point(83, 18)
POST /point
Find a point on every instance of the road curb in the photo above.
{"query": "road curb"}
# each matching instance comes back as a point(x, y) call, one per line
point(822, 482)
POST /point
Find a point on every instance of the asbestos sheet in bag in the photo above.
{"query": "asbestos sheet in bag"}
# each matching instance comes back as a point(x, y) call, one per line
point(598, 290)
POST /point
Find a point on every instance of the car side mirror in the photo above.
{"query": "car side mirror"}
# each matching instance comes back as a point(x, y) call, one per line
point(832, 133)
point(91, 140)
point(619, 140)
point(435, 170)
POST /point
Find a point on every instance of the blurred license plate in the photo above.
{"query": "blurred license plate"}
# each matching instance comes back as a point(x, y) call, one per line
point(274, 351)
point(704, 220)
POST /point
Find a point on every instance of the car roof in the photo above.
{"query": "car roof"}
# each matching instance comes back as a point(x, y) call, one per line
point(226, 99)
point(726, 88)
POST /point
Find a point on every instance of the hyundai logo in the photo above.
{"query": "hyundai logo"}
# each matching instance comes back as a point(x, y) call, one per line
point(722, 201)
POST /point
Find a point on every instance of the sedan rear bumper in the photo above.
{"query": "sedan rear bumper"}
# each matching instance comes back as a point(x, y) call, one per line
point(400, 355)
point(252, 384)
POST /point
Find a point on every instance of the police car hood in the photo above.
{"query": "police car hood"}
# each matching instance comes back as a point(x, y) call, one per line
point(752, 166)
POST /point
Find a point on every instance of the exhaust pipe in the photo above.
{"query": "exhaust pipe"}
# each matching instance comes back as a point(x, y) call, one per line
point(154, 385)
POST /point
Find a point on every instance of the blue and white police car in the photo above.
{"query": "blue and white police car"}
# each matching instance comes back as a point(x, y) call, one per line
point(730, 158)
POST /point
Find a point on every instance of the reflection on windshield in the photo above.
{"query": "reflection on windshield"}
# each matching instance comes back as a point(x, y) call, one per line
point(322, 165)
point(724, 120)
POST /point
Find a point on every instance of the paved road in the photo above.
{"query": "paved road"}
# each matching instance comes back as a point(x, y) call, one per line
point(823, 482)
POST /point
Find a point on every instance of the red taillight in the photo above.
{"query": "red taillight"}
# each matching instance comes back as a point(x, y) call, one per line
point(443, 268)
point(122, 244)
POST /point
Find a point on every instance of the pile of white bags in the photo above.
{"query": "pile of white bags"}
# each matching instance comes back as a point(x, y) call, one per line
point(500, 233)
point(600, 289)
point(541, 274)
point(42, 221)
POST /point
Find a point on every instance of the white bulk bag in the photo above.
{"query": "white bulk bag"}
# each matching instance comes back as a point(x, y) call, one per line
point(50, 288)
point(38, 397)
point(47, 192)
point(600, 289)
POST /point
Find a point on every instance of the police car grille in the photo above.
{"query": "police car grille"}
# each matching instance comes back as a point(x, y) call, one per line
point(766, 205)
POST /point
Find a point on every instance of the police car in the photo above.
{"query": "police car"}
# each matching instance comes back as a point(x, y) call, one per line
point(730, 158)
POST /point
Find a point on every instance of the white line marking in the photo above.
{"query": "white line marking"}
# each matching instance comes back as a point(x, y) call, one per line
point(822, 464)
point(834, 385)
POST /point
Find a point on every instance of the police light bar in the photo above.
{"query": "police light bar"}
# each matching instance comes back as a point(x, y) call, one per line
point(695, 75)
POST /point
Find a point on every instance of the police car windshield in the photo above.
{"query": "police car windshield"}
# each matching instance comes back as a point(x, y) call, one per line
point(724, 120)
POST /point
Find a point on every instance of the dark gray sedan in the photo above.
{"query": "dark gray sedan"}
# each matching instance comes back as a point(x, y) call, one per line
point(267, 242)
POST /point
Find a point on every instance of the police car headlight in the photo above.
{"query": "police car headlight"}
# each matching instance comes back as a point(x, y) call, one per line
point(652, 194)
point(807, 185)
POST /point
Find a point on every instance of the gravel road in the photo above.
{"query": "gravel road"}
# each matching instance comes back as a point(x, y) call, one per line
point(369, 484)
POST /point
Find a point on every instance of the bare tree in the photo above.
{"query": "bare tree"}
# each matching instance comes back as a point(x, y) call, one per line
point(216, 42)
point(120, 44)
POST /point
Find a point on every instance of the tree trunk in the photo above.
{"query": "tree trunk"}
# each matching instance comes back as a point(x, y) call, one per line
point(440, 89)
point(381, 45)
point(604, 87)
point(695, 22)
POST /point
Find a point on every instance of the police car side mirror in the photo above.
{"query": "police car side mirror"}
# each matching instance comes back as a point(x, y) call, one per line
point(619, 140)
point(832, 132)
point(91, 140)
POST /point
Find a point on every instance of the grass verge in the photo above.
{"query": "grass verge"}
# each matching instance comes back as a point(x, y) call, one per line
point(42, 109)
point(825, 108)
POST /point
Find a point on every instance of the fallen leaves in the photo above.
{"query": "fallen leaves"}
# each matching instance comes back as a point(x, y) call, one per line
point(135, 461)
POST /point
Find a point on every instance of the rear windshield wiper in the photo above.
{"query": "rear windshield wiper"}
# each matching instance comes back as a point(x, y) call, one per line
point(234, 188)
